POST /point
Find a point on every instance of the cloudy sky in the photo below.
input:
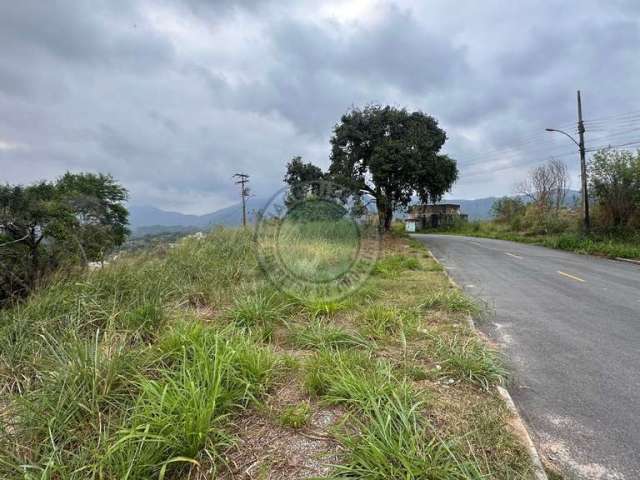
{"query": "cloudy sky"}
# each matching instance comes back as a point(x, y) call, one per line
point(174, 96)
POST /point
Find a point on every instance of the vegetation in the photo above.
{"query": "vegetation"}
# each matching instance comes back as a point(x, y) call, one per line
point(547, 220)
point(49, 225)
point(187, 362)
point(385, 153)
point(391, 154)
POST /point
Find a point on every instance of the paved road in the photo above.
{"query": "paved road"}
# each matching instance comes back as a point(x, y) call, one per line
point(570, 325)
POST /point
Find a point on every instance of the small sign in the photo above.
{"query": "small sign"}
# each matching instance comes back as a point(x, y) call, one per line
point(410, 226)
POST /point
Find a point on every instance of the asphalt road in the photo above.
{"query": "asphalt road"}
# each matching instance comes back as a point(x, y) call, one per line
point(570, 325)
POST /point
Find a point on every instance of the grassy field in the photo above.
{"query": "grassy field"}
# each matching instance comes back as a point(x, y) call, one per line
point(189, 363)
point(611, 246)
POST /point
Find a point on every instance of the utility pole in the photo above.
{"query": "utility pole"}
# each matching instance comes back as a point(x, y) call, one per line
point(586, 219)
point(583, 169)
point(243, 179)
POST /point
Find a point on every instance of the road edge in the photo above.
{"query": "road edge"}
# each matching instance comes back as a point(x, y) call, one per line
point(539, 472)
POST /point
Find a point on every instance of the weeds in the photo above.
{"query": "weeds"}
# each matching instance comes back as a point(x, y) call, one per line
point(451, 300)
point(319, 334)
point(183, 413)
point(322, 307)
point(393, 265)
point(112, 374)
point(256, 312)
point(295, 416)
point(471, 360)
point(381, 321)
point(394, 441)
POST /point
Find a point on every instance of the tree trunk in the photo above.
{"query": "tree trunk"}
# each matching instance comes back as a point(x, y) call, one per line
point(385, 213)
point(388, 217)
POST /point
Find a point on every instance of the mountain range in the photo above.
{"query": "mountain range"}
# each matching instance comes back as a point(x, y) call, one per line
point(146, 219)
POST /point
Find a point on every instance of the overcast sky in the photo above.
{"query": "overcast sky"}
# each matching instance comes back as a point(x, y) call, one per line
point(172, 97)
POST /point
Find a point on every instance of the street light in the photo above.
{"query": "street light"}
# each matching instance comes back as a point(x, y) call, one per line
point(583, 164)
point(564, 133)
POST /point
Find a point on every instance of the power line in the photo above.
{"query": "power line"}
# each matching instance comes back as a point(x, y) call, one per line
point(618, 115)
point(609, 146)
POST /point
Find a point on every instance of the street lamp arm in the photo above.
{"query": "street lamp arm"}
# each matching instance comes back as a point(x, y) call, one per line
point(564, 133)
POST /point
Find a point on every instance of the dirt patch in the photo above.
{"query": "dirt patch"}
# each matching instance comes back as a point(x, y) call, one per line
point(268, 451)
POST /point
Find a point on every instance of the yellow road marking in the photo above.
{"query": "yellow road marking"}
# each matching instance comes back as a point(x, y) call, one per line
point(512, 255)
point(570, 276)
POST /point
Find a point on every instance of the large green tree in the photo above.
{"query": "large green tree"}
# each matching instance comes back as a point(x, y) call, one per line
point(77, 218)
point(615, 183)
point(391, 154)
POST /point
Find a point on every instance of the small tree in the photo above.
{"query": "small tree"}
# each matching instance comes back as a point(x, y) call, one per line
point(507, 209)
point(615, 183)
point(391, 154)
point(546, 185)
point(42, 225)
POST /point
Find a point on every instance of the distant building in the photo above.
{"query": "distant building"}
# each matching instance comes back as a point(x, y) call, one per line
point(433, 216)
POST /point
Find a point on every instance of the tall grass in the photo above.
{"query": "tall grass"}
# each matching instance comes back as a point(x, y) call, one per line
point(451, 300)
point(597, 243)
point(471, 360)
point(319, 334)
point(395, 441)
point(317, 251)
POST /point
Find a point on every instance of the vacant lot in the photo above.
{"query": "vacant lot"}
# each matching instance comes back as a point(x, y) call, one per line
point(187, 362)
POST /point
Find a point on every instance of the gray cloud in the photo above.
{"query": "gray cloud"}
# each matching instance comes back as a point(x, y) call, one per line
point(174, 97)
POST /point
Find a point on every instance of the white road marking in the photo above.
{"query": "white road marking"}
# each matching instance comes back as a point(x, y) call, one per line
point(512, 255)
point(476, 243)
point(577, 279)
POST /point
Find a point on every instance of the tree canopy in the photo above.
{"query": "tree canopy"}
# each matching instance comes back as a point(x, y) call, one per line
point(615, 183)
point(76, 219)
point(308, 197)
point(391, 154)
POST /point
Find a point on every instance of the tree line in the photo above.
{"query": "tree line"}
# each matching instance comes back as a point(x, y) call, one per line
point(614, 194)
point(57, 226)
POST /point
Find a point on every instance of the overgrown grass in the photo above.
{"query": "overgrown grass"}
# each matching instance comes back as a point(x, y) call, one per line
point(470, 359)
point(144, 369)
point(451, 300)
point(320, 334)
point(381, 321)
point(393, 265)
point(395, 441)
point(604, 244)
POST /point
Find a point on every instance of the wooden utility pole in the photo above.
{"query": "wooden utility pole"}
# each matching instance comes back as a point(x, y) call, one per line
point(243, 179)
point(583, 169)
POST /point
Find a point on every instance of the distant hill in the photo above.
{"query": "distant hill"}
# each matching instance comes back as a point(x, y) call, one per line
point(147, 220)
